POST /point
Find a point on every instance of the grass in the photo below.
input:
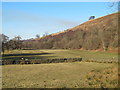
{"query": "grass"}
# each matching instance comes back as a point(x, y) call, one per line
point(59, 75)
point(103, 78)
point(49, 54)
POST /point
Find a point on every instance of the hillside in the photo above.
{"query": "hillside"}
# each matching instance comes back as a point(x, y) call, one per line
point(100, 33)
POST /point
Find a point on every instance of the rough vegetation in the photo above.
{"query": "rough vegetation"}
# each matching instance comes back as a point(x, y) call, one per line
point(103, 78)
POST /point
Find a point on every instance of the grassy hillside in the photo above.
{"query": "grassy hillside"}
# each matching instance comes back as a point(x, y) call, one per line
point(60, 75)
point(100, 33)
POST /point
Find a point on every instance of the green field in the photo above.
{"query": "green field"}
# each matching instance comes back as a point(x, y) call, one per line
point(60, 75)
point(50, 54)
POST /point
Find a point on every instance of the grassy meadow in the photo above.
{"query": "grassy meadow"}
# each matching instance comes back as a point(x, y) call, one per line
point(50, 54)
point(60, 75)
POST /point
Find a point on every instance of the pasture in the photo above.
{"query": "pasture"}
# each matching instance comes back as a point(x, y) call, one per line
point(60, 75)
point(52, 54)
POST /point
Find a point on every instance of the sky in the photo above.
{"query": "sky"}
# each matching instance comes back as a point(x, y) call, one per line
point(30, 18)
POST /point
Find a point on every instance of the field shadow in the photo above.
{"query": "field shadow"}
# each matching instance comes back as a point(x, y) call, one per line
point(29, 58)
point(26, 56)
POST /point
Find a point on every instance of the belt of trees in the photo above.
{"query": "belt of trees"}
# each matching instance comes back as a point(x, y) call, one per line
point(6, 44)
point(39, 61)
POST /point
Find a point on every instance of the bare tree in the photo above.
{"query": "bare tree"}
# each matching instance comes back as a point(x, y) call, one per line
point(115, 5)
point(17, 42)
point(4, 42)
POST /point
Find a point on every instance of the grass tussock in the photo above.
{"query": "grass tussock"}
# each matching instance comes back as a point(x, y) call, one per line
point(107, 78)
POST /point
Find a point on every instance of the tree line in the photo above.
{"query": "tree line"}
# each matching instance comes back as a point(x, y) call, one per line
point(10, 44)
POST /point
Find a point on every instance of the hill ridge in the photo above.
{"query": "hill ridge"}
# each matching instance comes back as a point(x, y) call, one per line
point(99, 33)
point(83, 24)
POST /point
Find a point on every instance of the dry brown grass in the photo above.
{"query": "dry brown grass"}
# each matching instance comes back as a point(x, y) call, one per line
point(59, 75)
point(107, 78)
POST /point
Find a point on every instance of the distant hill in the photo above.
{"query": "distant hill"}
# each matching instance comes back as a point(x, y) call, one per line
point(100, 33)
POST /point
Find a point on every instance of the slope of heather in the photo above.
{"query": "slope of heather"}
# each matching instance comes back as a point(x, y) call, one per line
point(100, 33)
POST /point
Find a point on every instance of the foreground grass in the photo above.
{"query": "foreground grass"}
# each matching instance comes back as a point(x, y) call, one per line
point(55, 75)
point(103, 78)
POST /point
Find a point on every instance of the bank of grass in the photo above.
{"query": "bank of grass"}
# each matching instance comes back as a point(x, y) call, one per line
point(59, 75)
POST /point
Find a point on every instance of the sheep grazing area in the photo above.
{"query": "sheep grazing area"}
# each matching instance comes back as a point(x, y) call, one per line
point(96, 70)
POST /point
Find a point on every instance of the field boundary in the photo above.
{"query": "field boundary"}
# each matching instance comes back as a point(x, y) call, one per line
point(57, 60)
point(40, 61)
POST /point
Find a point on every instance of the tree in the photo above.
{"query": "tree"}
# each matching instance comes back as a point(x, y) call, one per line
point(91, 17)
point(37, 36)
point(12, 44)
point(17, 42)
point(4, 42)
point(115, 5)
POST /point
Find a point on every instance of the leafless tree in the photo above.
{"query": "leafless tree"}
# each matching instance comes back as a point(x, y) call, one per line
point(115, 5)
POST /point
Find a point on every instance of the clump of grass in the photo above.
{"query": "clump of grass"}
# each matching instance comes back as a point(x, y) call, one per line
point(107, 78)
